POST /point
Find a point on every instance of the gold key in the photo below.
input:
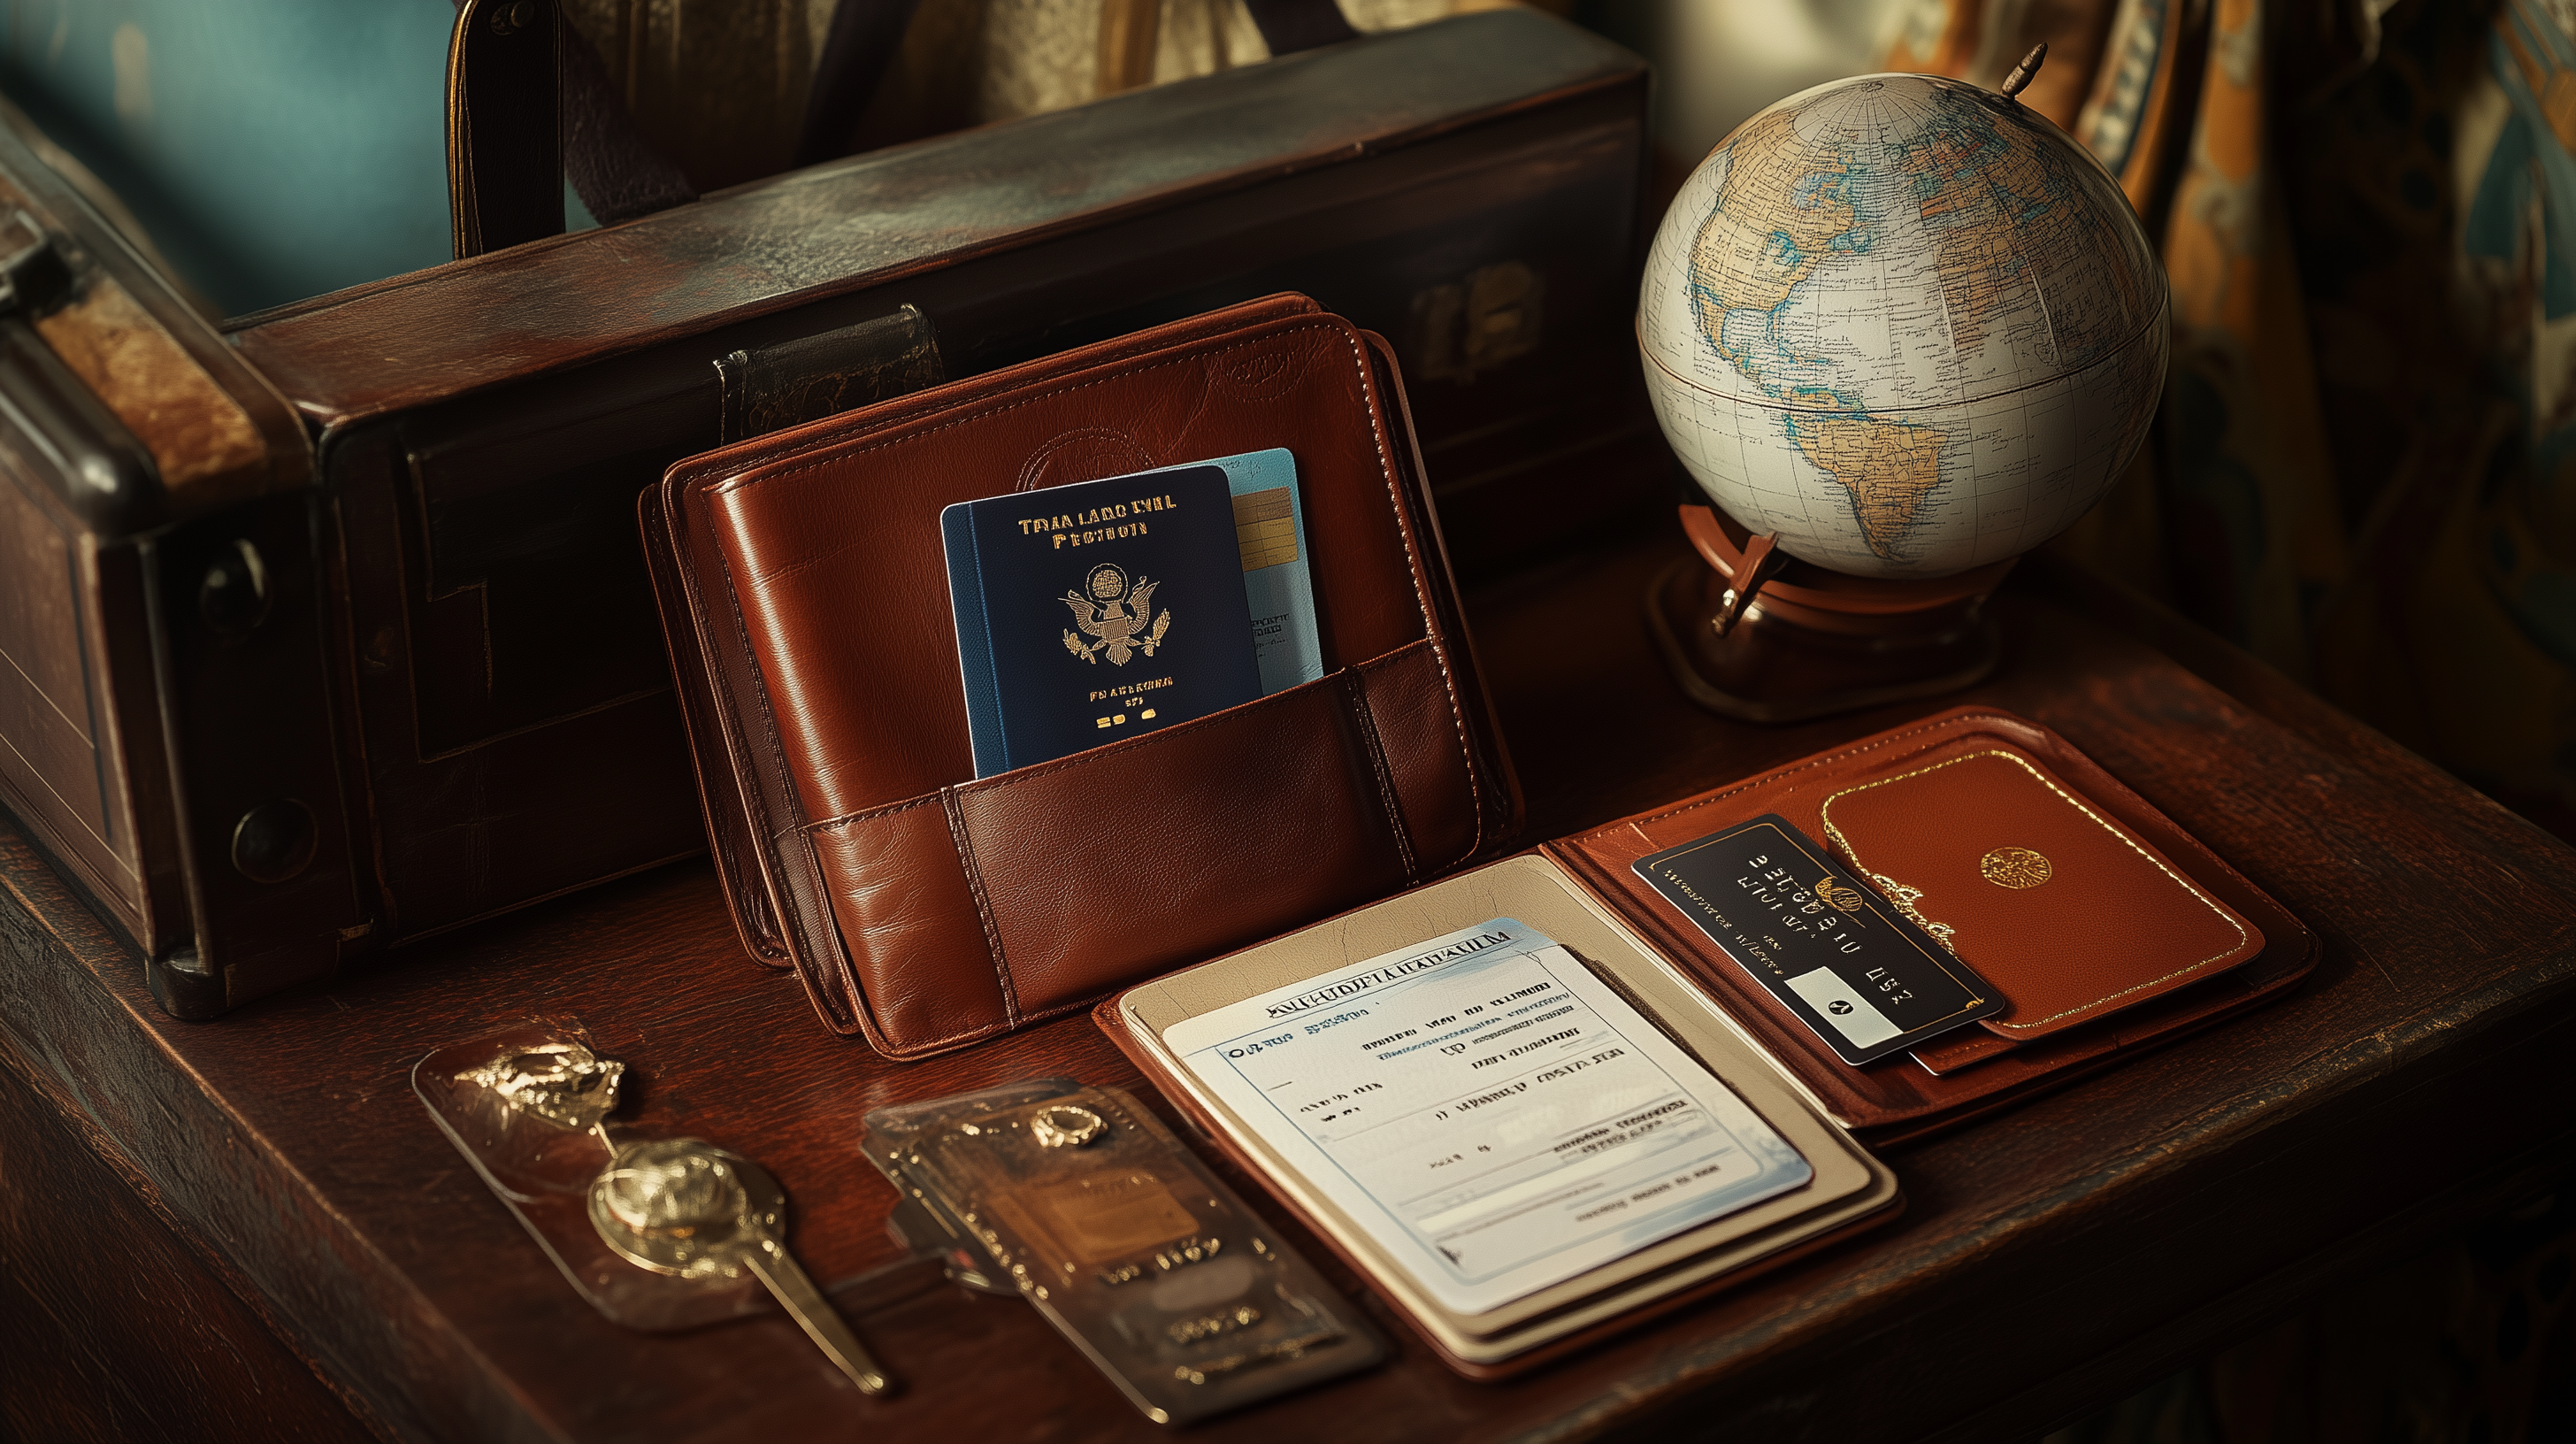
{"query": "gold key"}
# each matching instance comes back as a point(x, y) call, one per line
point(683, 1206)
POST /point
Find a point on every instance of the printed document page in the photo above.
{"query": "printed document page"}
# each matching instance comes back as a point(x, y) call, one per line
point(1493, 1114)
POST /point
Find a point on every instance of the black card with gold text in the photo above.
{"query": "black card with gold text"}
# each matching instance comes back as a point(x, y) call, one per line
point(1852, 968)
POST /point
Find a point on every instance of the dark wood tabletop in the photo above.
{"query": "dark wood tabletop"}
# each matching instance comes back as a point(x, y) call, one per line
point(251, 1228)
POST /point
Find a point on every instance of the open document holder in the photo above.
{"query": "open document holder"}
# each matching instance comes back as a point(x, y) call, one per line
point(1583, 891)
point(803, 594)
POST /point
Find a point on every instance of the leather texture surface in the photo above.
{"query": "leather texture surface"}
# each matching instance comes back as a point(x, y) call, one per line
point(2069, 915)
point(2114, 964)
point(804, 594)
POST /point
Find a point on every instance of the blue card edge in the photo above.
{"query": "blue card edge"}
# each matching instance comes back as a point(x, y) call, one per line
point(1242, 475)
point(974, 638)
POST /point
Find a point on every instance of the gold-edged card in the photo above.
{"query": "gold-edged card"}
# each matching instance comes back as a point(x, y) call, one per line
point(1848, 1186)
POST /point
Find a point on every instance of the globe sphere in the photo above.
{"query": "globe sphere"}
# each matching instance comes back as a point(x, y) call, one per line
point(1907, 324)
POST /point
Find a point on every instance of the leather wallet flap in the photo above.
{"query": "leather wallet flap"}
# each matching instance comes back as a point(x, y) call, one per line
point(2069, 914)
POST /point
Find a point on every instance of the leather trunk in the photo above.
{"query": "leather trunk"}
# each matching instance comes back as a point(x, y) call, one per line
point(450, 699)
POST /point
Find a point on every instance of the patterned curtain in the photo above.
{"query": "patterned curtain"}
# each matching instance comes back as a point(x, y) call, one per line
point(2365, 471)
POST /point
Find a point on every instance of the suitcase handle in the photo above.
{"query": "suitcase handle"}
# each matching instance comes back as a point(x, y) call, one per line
point(98, 470)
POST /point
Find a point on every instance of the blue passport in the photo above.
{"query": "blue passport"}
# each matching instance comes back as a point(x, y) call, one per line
point(1090, 613)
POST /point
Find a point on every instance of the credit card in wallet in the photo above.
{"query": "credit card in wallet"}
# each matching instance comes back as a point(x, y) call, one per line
point(1851, 967)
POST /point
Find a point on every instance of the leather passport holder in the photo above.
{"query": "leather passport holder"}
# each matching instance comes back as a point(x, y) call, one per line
point(804, 599)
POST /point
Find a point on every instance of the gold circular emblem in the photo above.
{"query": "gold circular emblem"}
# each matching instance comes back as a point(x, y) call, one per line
point(2014, 867)
point(1108, 583)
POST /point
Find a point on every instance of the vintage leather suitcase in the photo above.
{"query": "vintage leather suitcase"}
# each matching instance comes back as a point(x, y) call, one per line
point(446, 697)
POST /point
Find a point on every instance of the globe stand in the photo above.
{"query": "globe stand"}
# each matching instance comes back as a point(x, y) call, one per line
point(1801, 641)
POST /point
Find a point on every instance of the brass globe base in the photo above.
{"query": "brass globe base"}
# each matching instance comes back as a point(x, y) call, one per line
point(1811, 642)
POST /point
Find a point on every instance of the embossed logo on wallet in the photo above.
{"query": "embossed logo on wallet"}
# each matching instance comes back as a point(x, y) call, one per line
point(1860, 974)
point(2015, 867)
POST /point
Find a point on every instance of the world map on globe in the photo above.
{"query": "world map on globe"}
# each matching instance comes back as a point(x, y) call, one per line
point(1909, 325)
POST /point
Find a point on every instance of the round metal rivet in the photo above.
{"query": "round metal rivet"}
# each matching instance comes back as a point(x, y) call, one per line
point(274, 841)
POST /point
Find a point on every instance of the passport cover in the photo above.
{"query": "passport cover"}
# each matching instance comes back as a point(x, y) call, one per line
point(1090, 613)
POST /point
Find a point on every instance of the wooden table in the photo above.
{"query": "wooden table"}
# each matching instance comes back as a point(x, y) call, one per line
point(202, 1221)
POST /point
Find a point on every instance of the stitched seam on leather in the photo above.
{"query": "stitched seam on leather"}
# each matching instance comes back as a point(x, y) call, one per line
point(988, 1030)
point(1825, 812)
point(1386, 416)
point(983, 905)
point(1377, 440)
point(1355, 700)
point(1177, 731)
point(1421, 602)
point(755, 451)
point(1079, 759)
point(1017, 400)
point(846, 819)
point(1827, 760)
point(946, 1040)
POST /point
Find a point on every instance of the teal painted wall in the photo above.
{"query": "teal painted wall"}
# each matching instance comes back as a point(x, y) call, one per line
point(274, 149)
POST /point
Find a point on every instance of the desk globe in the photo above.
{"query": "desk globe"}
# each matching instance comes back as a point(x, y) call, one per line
point(1901, 329)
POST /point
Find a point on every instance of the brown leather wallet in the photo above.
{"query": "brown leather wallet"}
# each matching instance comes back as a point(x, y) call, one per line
point(2136, 963)
point(804, 597)
point(2147, 935)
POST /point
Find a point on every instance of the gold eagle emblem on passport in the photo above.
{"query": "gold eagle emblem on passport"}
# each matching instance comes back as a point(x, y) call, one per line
point(1114, 617)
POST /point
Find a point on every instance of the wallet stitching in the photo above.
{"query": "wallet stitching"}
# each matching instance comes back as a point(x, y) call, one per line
point(1377, 440)
point(1827, 759)
point(1421, 603)
point(1355, 700)
point(846, 819)
point(983, 907)
point(1825, 812)
point(861, 1004)
point(1086, 757)
point(757, 451)
point(983, 412)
